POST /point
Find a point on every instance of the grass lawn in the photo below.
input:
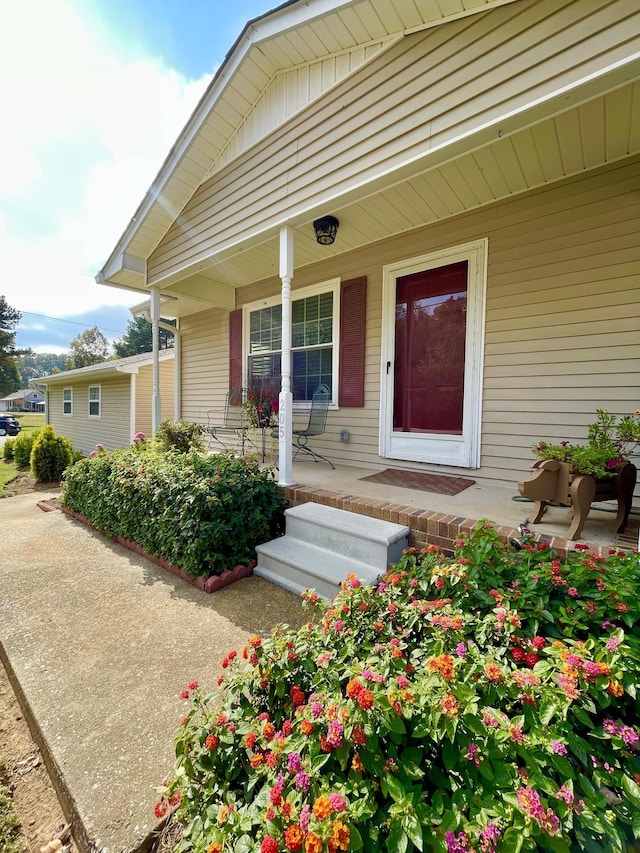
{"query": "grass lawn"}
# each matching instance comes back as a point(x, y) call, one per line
point(8, 471)
point(30, 423)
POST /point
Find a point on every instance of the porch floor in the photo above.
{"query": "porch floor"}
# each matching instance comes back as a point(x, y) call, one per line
point(500, 503)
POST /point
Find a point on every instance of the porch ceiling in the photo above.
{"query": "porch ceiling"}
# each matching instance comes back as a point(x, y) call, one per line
point(497, 163)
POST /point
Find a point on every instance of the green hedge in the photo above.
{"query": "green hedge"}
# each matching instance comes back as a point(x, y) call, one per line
point(202, 514)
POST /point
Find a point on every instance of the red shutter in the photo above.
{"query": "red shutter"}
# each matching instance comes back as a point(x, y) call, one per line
point(353, 303)
point(235, 348)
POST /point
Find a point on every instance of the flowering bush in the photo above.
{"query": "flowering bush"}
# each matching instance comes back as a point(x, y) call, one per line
point(456, 706)
point(610, 443)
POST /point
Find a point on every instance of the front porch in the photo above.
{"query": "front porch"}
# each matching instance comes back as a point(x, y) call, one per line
point(439, 519)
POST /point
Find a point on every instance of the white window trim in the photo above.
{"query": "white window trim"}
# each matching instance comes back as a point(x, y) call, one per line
point(68, 414)
point(333, 285)
point(98, 401)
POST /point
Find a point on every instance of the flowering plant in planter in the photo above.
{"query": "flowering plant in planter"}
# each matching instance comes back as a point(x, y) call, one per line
point(262, 404)
point(610, 442)
point(453, 707)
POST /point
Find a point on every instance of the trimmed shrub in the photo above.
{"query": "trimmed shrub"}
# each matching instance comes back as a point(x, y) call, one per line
point(7, 449)
point(181, 436)
point(22, 447)
point(202, 514)
point(486, 702)
point(51, 454)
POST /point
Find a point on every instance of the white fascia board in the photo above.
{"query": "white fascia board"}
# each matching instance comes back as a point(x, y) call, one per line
point(123, 262)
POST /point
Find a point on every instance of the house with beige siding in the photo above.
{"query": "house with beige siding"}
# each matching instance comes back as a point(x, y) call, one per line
point(108, 403)
point(481, 160)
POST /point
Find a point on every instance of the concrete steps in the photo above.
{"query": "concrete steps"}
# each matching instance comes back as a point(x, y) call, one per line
point(323, 545)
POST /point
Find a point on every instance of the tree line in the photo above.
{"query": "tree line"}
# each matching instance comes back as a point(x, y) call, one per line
point(19, 367)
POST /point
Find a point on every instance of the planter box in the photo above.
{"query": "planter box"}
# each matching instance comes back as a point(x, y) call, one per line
point(555, 482)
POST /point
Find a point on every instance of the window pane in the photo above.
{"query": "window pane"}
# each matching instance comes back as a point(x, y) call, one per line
point(312, 306)
point(311, 334)
point(326, 305)
point(264, 367)
point(297, 335)
point(325, 331)
point(265, 329)
point(310, 369)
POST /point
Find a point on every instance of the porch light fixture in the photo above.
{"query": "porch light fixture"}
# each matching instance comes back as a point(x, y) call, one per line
point(326, 229)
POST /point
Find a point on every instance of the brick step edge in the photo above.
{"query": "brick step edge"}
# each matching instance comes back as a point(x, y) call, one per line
point(208, 585)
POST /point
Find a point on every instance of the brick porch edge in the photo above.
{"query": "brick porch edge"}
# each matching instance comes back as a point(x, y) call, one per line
point(425, 526)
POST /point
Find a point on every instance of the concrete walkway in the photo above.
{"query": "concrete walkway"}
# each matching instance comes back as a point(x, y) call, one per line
point(99, 643)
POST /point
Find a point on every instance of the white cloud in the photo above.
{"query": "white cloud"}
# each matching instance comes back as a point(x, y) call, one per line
point(89, 130)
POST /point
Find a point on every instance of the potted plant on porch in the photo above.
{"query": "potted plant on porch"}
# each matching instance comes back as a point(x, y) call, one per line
point(575, 475)
point(260, 413)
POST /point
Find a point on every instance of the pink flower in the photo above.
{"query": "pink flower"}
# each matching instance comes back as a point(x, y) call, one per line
point(472, 754)
point(566, 794)
point(305, 817)
point(489, 837)
point(612, 644)
point(591, 668)
point(629, 735)
point(338, 802)
point(558, 747)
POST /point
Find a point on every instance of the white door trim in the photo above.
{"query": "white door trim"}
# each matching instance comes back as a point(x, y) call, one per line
point(464, 450)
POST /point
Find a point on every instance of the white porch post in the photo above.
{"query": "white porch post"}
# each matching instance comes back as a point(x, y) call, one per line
point(285, 417)
point(156, 403)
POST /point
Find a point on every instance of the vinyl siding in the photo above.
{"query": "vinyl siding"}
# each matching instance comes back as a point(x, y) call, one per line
point(111, 429)
point(144, 390)
point(420, 94)
point(205, 363)
point(562, 320)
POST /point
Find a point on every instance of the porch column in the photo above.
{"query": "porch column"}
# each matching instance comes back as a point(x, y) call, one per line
point(156, 404)
point(285, 417)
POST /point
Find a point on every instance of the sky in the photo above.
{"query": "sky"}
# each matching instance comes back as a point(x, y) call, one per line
point(93, 94)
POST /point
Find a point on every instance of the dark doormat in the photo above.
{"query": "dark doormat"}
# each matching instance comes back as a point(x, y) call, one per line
point(421, 481)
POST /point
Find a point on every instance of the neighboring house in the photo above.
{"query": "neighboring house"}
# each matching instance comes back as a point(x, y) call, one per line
point(25, 400)
point(482, 160)
point(108, 403)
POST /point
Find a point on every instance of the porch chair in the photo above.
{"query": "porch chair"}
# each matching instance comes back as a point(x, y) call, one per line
point(229, 425)
point(316, 426)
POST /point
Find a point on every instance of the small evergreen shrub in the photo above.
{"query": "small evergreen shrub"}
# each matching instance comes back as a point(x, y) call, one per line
point(485, 703)
point(50, 455)
point(204, 514)
point(181, 436)
point(22, 447)
point(7, 449)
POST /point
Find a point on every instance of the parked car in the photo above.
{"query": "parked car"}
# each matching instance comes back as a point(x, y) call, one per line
point(9, 425)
